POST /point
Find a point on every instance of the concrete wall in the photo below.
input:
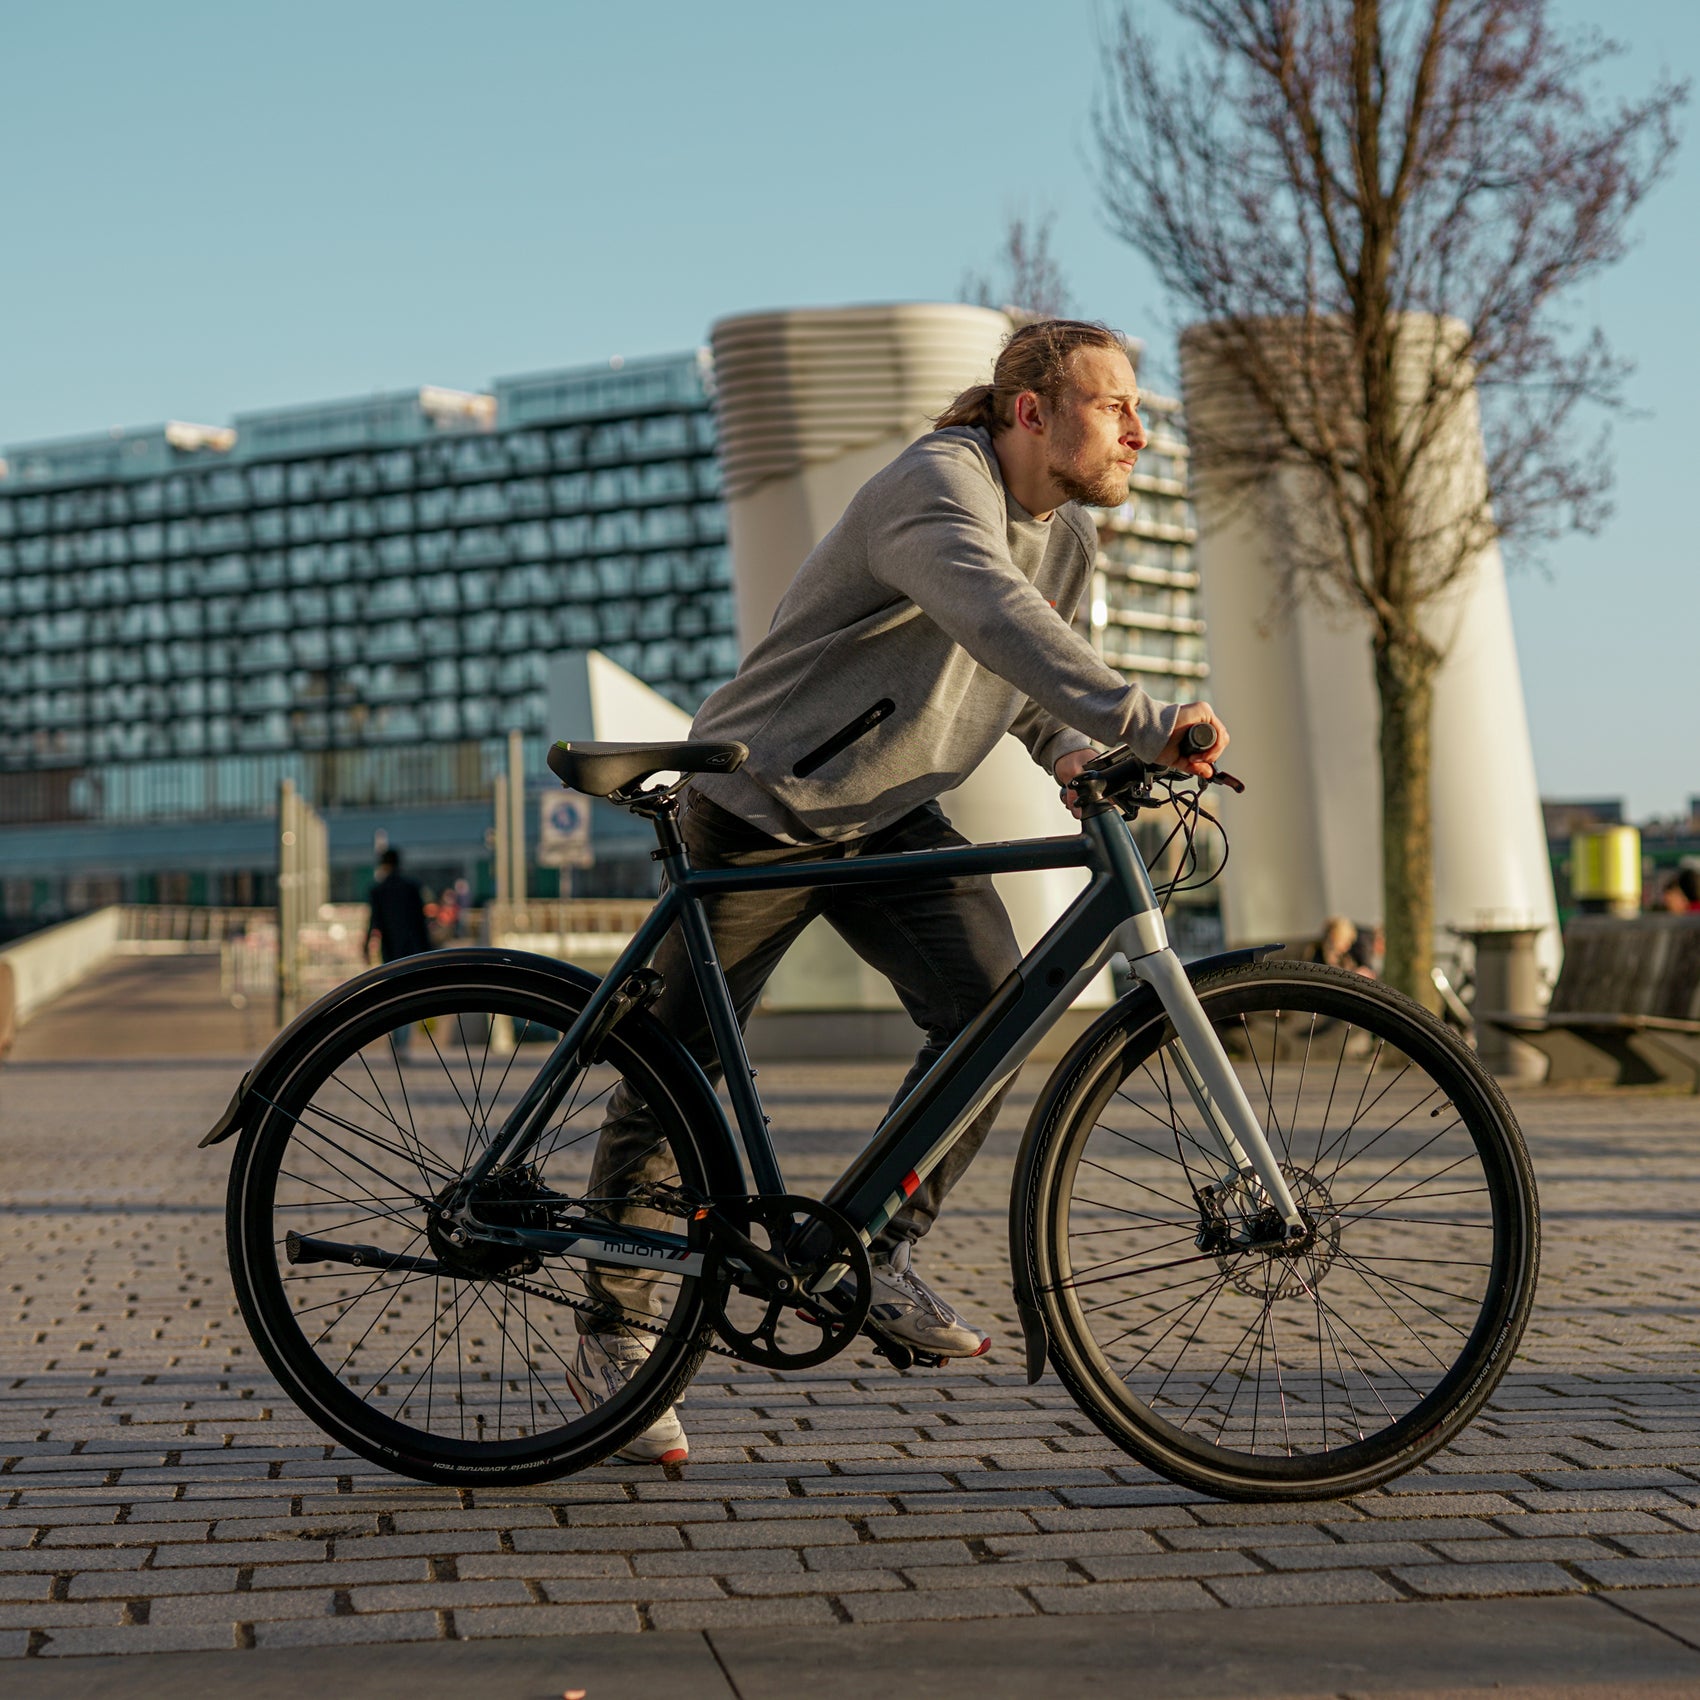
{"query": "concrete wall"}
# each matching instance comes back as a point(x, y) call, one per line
point(50, 962)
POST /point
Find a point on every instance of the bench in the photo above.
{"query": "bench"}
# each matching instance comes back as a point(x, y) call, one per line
point(1626, 1009)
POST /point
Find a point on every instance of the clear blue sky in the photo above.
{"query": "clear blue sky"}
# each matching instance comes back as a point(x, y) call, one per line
point(208, 208)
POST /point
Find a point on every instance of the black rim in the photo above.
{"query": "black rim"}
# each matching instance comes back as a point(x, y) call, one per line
point(1367, 1342)
point(381, 1114)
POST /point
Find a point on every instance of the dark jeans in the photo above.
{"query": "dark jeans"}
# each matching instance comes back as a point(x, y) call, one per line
point(945, 945)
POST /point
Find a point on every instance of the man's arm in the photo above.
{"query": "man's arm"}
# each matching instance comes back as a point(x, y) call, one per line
point(1047, 738)
point(941, 543)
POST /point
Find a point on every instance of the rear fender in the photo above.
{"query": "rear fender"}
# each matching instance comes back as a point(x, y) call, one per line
point(260, 1085)
point(1132, 1010)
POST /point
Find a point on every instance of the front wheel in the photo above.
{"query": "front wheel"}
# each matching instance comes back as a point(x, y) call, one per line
point(1186, 1330)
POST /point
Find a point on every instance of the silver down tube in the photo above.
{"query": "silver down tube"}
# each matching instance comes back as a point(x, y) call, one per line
point(1210, 1079)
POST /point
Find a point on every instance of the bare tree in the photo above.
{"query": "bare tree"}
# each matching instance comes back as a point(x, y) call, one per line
point(1026, 279)
point(1382, 209)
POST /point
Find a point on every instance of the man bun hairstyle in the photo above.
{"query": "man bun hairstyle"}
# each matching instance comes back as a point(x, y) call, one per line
point(1035, 358)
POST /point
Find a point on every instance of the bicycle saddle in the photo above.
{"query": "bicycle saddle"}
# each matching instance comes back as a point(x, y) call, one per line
point(601, 769)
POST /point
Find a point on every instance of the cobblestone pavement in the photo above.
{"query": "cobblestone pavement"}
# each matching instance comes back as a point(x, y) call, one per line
point(156, 1492)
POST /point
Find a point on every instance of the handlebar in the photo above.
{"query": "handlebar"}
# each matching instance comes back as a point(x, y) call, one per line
point(1119, 770)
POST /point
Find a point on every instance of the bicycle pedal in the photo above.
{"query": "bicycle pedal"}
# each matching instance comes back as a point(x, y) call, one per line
point(900, 1356)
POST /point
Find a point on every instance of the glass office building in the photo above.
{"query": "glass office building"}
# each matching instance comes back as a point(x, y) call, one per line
point(364, 597)
point(361, 596)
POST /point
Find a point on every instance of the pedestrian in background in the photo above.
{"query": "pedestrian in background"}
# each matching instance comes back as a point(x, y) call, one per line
point(396, 919)
point(1681, 896)
point(396, 916)
point(1337, 946)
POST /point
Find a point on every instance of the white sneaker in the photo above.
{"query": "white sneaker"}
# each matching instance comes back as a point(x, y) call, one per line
point(907, 1309)
point(603, 1365)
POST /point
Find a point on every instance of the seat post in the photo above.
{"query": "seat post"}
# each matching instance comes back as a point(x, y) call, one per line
point(665, 814)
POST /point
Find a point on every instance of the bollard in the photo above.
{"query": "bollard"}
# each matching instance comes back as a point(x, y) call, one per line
point(1508, 982)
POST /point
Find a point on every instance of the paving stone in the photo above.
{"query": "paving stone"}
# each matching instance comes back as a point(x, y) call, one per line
point(774, 1560)
point(139, 1638)
point(151, 1584)
point(1408, 1505)
point(1070, 1543)
point(491, 1622)
point(970, 1525)
point(350, 1631)
point(779, 1533)
point(1244, 1535)
point(1012, 1573)
point(1562, 1549)
point(437, 1596)
point(267, 1605)
point(1413, 1529)
point(659, 1537)
point(1642, 1572)
point(543, 1564)
point(1303, 1588)
point(363, 1548)
point(937, 1605)
point(1123, 1597)
point(337, 1573)
point(737, 1614)
point(1341, 1555)
point(841, 1582)
point(1537, 1525)
point(1476, 1581)
point(37, 1614)
point(565, 1591)
point(1114, 1567)
point(881, 1555)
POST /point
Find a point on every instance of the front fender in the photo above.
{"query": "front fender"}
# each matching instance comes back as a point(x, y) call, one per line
point(1130, 1010)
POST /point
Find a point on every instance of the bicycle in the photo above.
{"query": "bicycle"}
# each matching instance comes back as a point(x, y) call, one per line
point(1273, 1225)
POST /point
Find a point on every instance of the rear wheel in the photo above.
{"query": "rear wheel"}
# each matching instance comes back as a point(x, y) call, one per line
point(460, 1371)
point(1198, 1342)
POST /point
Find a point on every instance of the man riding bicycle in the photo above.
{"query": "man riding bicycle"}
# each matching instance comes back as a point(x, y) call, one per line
point(932, 619)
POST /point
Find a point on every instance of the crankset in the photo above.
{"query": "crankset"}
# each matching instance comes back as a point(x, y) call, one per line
point(789, 1280)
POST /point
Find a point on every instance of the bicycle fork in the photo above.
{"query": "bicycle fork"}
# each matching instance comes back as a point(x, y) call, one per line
point(1210, 1080)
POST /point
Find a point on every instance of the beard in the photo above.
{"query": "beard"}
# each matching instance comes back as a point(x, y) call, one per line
point(1105, 487)
point(1108, 489)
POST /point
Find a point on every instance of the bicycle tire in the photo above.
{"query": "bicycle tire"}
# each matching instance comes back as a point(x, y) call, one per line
point(1392, 1345)
point(340, 1097)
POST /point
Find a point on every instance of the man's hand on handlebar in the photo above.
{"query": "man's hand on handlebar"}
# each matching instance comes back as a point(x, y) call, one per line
point(1201, 764)
point(1067, 767)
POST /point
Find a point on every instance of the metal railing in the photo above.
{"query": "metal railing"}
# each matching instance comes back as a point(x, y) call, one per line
point(168, 929)
point(591, 931)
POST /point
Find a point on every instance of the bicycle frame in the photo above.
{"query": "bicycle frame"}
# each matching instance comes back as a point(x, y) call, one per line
point(1118, 908)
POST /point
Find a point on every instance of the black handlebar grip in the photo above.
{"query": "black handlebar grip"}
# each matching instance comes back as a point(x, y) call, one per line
point(1198, 738)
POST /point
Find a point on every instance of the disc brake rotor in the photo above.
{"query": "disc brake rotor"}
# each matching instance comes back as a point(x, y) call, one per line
point(1278, 1272)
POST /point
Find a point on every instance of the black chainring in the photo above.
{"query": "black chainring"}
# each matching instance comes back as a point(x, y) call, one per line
point(818, 1247)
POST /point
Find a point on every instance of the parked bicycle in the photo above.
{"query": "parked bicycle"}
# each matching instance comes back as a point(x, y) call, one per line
point(1273, 1225)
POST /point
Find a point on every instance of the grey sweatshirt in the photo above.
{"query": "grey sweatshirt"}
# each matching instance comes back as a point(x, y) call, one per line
point(932, 619)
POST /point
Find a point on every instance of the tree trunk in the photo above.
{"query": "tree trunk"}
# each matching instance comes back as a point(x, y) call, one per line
point(1404, 679)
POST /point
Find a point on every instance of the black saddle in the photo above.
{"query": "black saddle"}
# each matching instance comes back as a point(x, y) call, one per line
point(599, 770)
